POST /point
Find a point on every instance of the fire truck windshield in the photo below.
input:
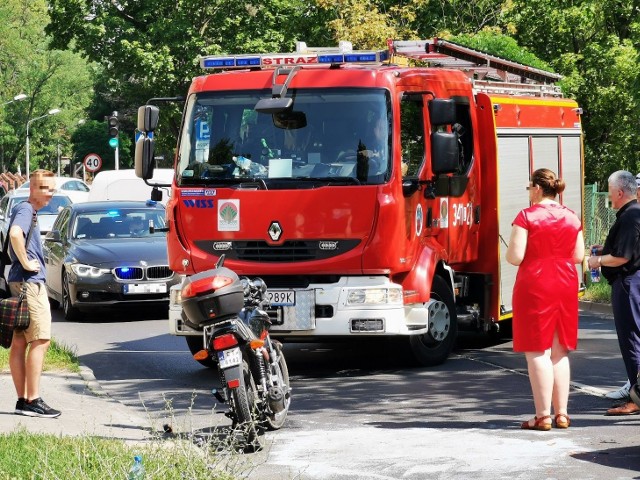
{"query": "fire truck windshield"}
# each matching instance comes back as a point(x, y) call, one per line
point(337, 136)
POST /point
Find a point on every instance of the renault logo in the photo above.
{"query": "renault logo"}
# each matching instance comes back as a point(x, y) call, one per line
point(275, 231)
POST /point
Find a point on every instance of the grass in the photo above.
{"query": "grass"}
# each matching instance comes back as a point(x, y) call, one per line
point(598, 292)
point(51, 457)
point(25, 455)
point(59, 358)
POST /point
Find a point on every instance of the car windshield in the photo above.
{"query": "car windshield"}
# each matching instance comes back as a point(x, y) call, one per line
point(118, 223)
point(55, 206)
point(337, 135)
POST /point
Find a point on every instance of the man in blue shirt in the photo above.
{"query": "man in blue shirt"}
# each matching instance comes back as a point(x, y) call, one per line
point(27, 267)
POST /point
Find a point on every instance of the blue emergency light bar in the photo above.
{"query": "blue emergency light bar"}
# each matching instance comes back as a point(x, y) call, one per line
point(273, 60)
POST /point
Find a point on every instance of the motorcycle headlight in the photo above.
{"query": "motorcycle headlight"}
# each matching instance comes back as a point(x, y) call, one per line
point(374, 296)
point(83, 270)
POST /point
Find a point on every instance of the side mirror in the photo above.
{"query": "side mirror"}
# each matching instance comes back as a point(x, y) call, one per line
point(444, 152)
point(144, 161)
point(156, 194)
point(409, 186)
point(442, 111)
point(148, 116)
point(53, 236)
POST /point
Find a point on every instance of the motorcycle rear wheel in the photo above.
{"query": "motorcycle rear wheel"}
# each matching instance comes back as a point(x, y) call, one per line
point(244, 399)
point(276, 421)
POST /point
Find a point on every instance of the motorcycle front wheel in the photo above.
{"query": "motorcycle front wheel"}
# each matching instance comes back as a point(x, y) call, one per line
point(275, 421)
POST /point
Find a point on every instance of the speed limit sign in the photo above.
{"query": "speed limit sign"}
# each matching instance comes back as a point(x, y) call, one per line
point(92, 162)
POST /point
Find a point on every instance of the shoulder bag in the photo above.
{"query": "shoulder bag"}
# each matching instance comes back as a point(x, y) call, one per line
point(14, 311)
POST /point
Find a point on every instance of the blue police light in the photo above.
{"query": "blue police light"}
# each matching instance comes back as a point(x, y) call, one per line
point(335, 58)
point(113, 213)
point(248, 62)
point(124, 269)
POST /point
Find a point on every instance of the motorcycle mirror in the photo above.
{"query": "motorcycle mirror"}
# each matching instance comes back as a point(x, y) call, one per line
point(259, 285)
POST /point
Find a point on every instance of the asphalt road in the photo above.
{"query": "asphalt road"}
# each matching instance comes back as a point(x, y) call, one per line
point(358, 412)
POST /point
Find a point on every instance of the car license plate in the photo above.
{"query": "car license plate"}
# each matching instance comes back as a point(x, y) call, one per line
point(282, 298)
point(130, 288)
point(229, 358)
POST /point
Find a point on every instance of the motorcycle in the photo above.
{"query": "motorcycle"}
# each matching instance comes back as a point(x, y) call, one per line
point(253, 371)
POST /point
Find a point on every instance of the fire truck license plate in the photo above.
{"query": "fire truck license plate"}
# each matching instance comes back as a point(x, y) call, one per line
point(282, 298)
point(229, 358)
point(145, 288)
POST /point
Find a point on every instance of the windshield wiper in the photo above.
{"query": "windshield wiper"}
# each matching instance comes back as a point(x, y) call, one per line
point(350, 180)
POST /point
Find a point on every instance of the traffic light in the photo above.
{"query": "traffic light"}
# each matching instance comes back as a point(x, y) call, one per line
point(114, 126)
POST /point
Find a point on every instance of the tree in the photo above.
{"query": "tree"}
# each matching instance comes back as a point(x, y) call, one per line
point(594, 44)
point(50, 78)
point(93, 137)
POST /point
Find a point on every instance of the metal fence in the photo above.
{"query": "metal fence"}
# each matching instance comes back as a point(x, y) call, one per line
point(598, 216)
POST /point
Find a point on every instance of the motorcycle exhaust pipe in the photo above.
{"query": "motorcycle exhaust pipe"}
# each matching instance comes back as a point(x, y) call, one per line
point(275, 397)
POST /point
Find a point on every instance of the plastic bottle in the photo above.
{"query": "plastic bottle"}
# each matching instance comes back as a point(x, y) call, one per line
point(136, 472)
point(595, 272)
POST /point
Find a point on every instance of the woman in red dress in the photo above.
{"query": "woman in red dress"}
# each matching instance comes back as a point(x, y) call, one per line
point(546, 244)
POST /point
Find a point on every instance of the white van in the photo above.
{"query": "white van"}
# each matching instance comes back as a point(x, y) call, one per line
point(125, 185)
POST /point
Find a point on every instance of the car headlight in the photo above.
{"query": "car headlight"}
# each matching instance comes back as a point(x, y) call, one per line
point(374, 296)
point(88, 271)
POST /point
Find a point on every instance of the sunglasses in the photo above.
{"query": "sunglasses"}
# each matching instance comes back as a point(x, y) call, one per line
point(531, 187)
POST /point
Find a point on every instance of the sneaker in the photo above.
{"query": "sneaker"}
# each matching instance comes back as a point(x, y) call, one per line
point(37, 408)
point(20, 406)
point(620, 394)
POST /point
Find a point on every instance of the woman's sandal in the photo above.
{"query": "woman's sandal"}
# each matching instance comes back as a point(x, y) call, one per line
point(566, 423)
point(537, 424)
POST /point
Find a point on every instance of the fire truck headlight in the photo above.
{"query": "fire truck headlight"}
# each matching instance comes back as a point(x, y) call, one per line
point(374, 296)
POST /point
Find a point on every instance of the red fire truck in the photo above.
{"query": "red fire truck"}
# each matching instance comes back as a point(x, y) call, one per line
point(375, 197)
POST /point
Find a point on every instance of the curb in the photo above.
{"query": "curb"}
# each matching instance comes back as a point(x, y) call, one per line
point(592, 307)
point(92, 383)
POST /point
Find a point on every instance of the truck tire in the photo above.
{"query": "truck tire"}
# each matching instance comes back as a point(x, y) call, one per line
point(434, 347)
point(194, 342)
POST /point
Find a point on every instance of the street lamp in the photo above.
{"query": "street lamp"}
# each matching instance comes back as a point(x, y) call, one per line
point(17, 98)
point(53, 111)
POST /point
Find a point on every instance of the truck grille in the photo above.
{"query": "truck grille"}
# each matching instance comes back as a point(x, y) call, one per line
point(297, 251)
point(288, 251)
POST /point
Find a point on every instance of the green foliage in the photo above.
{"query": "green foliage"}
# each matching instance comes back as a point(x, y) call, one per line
point(598, 292)
point(144, 49)
point(500, 45)
point(594, 44)
point(58, 357)
point(150, 48)
point(50, 78)
point(93, 137)
point(25, 455)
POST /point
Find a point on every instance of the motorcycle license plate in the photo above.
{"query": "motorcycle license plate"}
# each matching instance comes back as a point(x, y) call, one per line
point(229, 358)
point(282, 298)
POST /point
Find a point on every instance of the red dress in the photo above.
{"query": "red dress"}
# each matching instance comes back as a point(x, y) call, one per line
point(545, 295)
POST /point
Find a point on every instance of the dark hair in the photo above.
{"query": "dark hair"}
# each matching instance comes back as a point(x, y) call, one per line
point(548, 182)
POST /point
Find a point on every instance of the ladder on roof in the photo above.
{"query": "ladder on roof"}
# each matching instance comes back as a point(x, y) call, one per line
point(489, 73)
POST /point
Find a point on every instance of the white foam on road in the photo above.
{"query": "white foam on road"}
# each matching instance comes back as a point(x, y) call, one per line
point(390, 454)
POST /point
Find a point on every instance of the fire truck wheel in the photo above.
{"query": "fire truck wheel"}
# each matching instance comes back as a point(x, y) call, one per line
point(195, 345)
point(433, 348)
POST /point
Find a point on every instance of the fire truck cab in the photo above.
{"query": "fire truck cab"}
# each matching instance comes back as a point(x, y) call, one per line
point(374, 198)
